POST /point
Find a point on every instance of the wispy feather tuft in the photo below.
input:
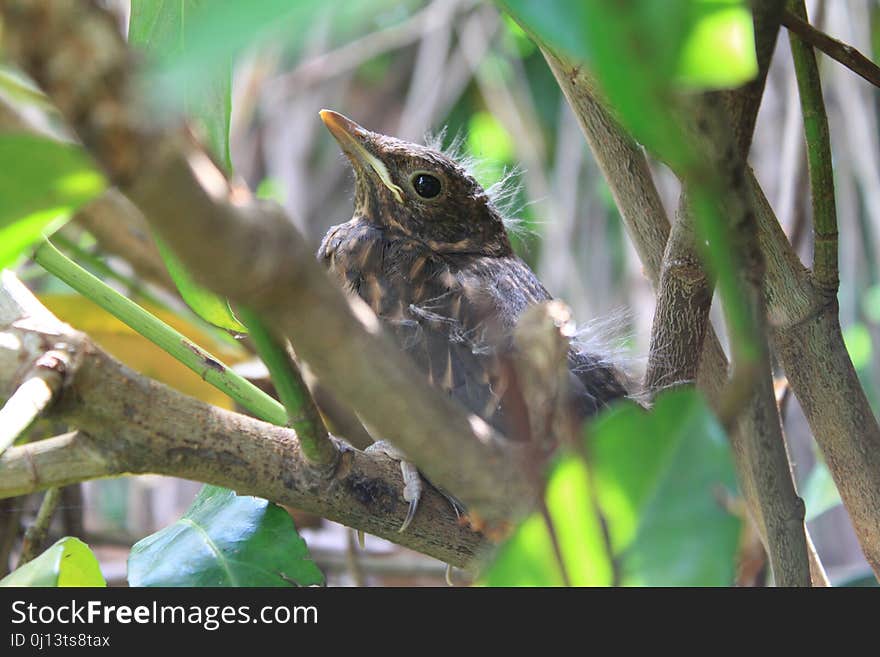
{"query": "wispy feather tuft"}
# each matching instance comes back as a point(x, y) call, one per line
point(504, 194)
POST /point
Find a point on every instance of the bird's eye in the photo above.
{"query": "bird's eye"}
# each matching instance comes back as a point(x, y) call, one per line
point(426, 185)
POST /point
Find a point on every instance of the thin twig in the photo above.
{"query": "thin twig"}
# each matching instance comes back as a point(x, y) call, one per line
point(35, 535)
point(155, 330)
point(31, 399)
point(825, 270)
point(843, 53)
point(10, 526)
point(303, 416)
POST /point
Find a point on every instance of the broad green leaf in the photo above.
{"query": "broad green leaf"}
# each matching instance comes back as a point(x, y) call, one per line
point(43, 181)
point(819, 492)
point(528, 558)
point(661, 477)
point(657, 479)
point(225, 539)
point(161, 28)
point(69, 562)
point(209, 306)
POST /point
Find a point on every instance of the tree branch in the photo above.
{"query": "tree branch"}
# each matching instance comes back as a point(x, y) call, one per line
point(250, 252)
point(129, 424)
point(35, 394)
point(628, 176)
point(842, 52)
point(681, 317)
point(825, 270)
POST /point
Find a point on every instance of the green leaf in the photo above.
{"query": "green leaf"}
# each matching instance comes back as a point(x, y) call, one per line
point(641, 52)
point(161, 28)
point(661, 476)
point(204, 37)
point(698, 43)
point(43, 181)
point(819, 491)
point(528, 558)
point(69, 562)
point(719, 48)
point(209, 306)
point(225, 539)
point(657, 478)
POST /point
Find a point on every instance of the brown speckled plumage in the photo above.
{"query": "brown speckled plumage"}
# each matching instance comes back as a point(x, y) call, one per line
point(441, 274)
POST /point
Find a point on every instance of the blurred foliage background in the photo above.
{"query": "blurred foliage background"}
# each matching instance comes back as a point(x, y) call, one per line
point(463, 69)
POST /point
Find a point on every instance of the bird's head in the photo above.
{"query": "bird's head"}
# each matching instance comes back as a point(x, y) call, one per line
point(418, 192)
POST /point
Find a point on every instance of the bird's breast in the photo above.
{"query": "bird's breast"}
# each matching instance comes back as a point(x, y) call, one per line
point(389, 273)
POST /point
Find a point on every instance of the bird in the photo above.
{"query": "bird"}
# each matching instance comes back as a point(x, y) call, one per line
point(428, 250)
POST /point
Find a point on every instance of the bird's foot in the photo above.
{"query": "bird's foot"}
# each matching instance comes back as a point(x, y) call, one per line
point(412, 480)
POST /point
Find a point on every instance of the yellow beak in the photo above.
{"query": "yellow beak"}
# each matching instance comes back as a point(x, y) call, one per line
point(351, 138)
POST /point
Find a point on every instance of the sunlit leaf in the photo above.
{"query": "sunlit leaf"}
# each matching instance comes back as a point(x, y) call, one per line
point(719, 49)
point(162, 28)
point(636, 51)
point(209, 306)
point(69, 562)
point(529, 559)
point(139, 353)
point(225, 539)
point(657, 479)
point(664, 474)
point(42, 182)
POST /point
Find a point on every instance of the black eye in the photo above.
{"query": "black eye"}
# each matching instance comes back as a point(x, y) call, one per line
point(426, 185)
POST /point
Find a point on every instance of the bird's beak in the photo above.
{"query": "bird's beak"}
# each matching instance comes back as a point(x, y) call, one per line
point(353, 140)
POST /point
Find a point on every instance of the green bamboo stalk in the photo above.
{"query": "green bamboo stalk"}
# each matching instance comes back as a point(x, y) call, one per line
point(105, 270)
point(825, 268)
point(303, 415)
point(159, 333)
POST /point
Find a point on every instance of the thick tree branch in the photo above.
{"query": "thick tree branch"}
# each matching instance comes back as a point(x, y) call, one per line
point(681, 317)
point(129, 424)
point(251, 253)
point(120, 229)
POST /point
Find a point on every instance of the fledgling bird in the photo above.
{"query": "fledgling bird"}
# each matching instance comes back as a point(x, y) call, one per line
point(428, 250)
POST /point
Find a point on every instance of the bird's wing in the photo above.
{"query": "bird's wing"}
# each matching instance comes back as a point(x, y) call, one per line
point(457, 327)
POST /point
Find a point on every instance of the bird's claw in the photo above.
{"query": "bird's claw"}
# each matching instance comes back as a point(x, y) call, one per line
point(412, 491)
point(412, 480)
